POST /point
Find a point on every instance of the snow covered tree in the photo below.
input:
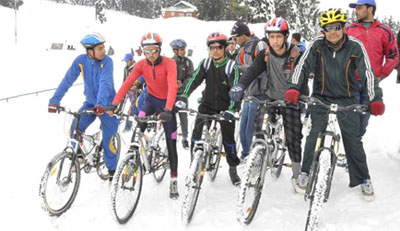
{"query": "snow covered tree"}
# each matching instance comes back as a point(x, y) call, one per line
point(304, 16)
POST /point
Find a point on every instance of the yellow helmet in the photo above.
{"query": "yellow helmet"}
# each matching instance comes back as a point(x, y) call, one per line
point(331, 16)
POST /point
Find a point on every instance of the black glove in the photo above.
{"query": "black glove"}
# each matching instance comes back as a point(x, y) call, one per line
point(236, 92)
point(229, 115)
point(181, 102)
point(166, 115)
point(113, 108)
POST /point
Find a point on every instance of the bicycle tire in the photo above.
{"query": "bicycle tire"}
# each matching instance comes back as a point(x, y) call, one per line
point(58, 169)
point(192, 187)
point(101, 169)
point(215, 158)
point(318, 189)
point(251, 187)
point(126, 187)
point(158, 157)
point(276, 169)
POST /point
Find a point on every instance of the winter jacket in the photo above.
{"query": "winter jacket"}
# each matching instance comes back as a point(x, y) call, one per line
point(277, 70)
point(232, 55)
point(184, 68)
point(97, 77)
point(244, 59)
point(160, 80)
point(335, 71)
point(380, 43)
point(218, 84)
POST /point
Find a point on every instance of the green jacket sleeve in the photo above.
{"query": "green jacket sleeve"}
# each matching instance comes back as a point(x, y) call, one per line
point(234, 80)
point(194, 81)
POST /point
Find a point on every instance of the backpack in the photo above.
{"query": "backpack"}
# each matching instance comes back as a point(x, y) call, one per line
point(253, 54)
point(228, 67)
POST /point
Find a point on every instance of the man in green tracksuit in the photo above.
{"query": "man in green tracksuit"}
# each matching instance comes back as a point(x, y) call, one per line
point(337, 58)
point(220, 74)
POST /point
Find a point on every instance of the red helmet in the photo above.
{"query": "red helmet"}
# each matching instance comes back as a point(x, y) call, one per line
point(277, 25)
point(151, 39)
point(217, 37)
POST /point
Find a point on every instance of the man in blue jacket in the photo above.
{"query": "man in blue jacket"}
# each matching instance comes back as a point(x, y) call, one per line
point(96, 69)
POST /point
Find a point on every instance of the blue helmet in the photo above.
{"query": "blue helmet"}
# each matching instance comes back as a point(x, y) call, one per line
point(178, 43)
point(91, 40)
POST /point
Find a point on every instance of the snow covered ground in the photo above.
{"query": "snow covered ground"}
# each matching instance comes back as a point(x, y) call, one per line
point(31, 137)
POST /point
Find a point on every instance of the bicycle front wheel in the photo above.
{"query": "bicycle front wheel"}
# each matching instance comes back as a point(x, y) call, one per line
point(215, 157)
point(126, 187)
point(60, 183)
point(102, 170)
point(319, 185)
point(192, 186)
point(252, 185)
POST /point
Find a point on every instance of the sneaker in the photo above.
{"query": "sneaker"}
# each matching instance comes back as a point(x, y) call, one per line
point(173, 189)
point(367, 190)
point(234, 176)
point(301, 183)
point(185, 144)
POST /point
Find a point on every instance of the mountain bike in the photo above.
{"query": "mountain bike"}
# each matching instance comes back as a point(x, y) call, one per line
point(147, 153)
point(206, 158)
point(324, 159)
point(267, 152)
point(60, 182)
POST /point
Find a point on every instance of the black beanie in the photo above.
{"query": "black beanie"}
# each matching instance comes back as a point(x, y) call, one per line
point(240, 28)
point(297, 36)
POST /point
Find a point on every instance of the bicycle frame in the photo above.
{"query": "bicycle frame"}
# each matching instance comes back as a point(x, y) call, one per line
point(327, 142)
point(206, 142)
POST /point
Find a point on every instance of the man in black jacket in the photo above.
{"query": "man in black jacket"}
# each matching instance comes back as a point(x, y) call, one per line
point(185, 69)
point(220, 74)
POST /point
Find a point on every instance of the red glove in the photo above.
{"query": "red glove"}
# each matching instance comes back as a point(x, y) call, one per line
point(292, 96)
point(99, 110)
point(53, 108)
point(377, 108)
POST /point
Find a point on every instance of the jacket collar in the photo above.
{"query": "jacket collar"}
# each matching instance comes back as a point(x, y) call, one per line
point(158, 61)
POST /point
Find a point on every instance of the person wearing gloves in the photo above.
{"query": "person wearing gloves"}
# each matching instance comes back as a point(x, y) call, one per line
point(337, 58)
point(96, 69)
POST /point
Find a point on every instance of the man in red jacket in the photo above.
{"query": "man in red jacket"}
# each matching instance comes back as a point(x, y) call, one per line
point(380, 44)
point(159, 73)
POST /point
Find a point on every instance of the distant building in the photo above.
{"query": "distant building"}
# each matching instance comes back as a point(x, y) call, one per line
point(180, 9)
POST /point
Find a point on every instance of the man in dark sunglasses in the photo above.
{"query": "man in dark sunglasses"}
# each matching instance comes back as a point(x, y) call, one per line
point(159, 73)
point(220, 74)
point(336, 59)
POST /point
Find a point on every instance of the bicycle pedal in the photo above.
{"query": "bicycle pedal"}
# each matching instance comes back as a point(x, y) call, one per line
point(222, 154)
point(287, 165)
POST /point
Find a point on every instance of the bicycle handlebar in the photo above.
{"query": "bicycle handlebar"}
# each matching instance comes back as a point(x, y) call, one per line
point(213, 117)
point(269, 103)
point(359, 108)
point(75, 114)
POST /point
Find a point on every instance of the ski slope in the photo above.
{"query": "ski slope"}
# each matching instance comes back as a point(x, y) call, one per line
point(31, 137)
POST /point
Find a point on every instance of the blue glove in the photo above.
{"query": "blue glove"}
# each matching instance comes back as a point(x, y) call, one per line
point(229, 115)
point(236, 92)
point(181, 102)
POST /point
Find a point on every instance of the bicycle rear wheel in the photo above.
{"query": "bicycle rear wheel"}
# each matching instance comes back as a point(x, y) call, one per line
point(215, 157)
point(102, 170)
point(126, 187)
point(192, 187)
point(319, 185)
point(60, 183)
point(252, 185)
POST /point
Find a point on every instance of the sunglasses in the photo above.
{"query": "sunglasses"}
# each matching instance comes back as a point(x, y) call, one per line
point(153, 51)
point(330, 28)
point(219, 47)
point(231, 43)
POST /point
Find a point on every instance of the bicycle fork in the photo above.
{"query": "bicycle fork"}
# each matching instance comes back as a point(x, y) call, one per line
point(330, 143)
